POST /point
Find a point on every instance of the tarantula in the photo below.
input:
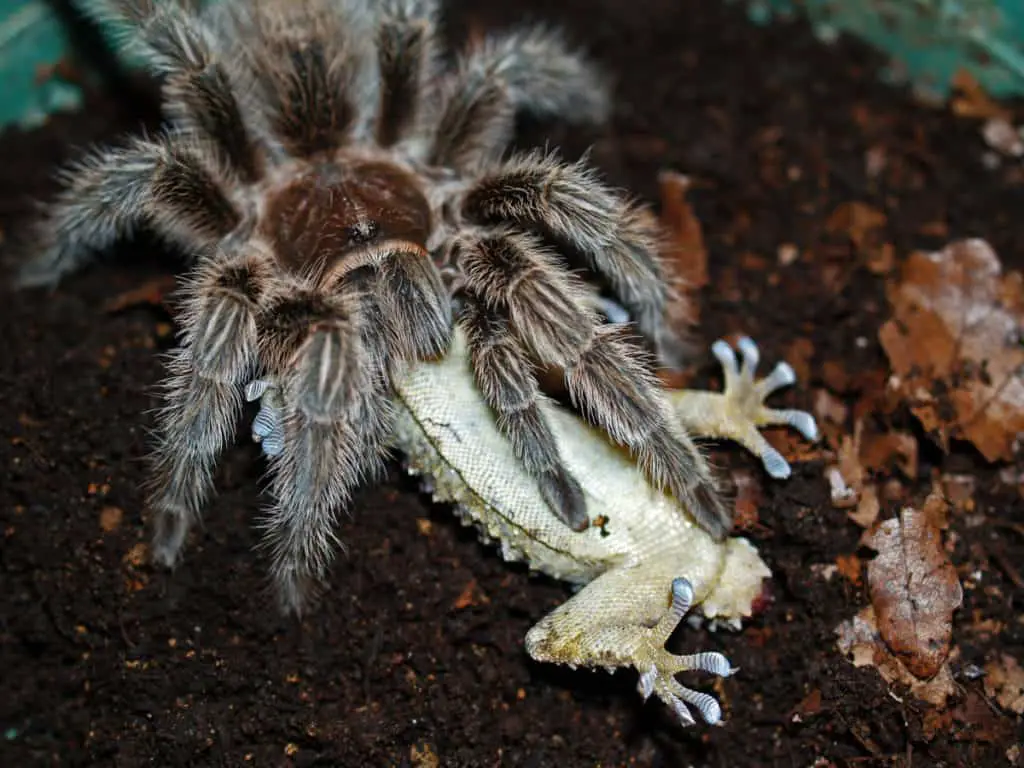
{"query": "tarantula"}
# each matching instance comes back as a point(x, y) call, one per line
point(346, 195)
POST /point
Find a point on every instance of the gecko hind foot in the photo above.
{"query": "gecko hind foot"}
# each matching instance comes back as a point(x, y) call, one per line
point(745, 396)
point(659, 676)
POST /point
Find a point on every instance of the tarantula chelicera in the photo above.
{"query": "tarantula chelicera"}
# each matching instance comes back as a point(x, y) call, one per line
point(347, 197)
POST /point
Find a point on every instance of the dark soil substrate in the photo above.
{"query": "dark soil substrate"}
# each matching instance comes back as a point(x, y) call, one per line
point(108, 662)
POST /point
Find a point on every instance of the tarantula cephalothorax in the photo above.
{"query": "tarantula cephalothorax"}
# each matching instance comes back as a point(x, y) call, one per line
point(337, 185)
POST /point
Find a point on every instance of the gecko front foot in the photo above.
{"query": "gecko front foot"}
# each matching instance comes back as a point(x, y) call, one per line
point(266, 427)
point(657, 674)
point(739, 412)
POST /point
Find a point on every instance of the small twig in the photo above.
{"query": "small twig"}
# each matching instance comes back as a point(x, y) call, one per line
point(1007, 567)
point(1006, 524)
point(124, 632)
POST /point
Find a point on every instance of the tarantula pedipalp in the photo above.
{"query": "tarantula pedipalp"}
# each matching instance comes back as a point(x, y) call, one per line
point(336, 185)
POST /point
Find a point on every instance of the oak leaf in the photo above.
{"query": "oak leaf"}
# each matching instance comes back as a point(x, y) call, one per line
point(955, 346)
point(914, 590)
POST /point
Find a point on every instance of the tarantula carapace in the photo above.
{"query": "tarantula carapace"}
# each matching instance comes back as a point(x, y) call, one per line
point(342, 188)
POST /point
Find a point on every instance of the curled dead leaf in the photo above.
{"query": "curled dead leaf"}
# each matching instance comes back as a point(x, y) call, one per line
point(152, 293)
point(914, 590)
point(955, 346)
point(683, 251)
point(470, 596)
point(860, 640)
point(970, 99)
point(850, 484)
point(686, 248)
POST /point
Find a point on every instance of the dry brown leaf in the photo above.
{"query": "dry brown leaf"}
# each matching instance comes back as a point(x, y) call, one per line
point(959, 490)
point(423, 755)
point(849, 481)
point(808, 707)
point(936, 508)
point(880, 451)
point(470, 596)
point(857, 220)
point(868, 507)
point(748, 499)
point(685, 250)
point(848, 567)
point(136, 556)
point(881, 260)
point(110, 518)
point(794, 447)
point(860, 640)
point(865, 226)
point(914, 590)
point(1004, 681)
point(970, 99)
point(151, 293)
point(955, 347)
point(849, 466)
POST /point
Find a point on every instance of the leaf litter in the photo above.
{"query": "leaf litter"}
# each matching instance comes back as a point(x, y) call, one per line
point(956, 349)
point(1004, 682)
point(906, 631)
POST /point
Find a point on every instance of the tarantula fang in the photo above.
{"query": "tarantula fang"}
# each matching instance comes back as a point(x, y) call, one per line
point(340, 188)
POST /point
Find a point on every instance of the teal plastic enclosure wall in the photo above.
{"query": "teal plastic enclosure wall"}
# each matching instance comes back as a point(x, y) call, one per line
point(927, 41)
point(32, 41)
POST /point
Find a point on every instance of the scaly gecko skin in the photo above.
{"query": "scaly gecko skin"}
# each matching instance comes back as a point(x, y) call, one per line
point(643, 568)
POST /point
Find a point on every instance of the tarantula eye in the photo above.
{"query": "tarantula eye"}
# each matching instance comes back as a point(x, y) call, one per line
point(363, 232)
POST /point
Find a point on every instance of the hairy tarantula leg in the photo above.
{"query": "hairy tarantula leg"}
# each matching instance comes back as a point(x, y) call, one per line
point(335, 425)
point(506, 379)
point(405, 46)
point(543, 75)
point(315, 74)
point(410, 299)
point(198, 90)
point(531, 70)
point(414, 302)
point(202, 397)
point(617, 239)
point(606, 378)
point(113, 191)
point(615, 391)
